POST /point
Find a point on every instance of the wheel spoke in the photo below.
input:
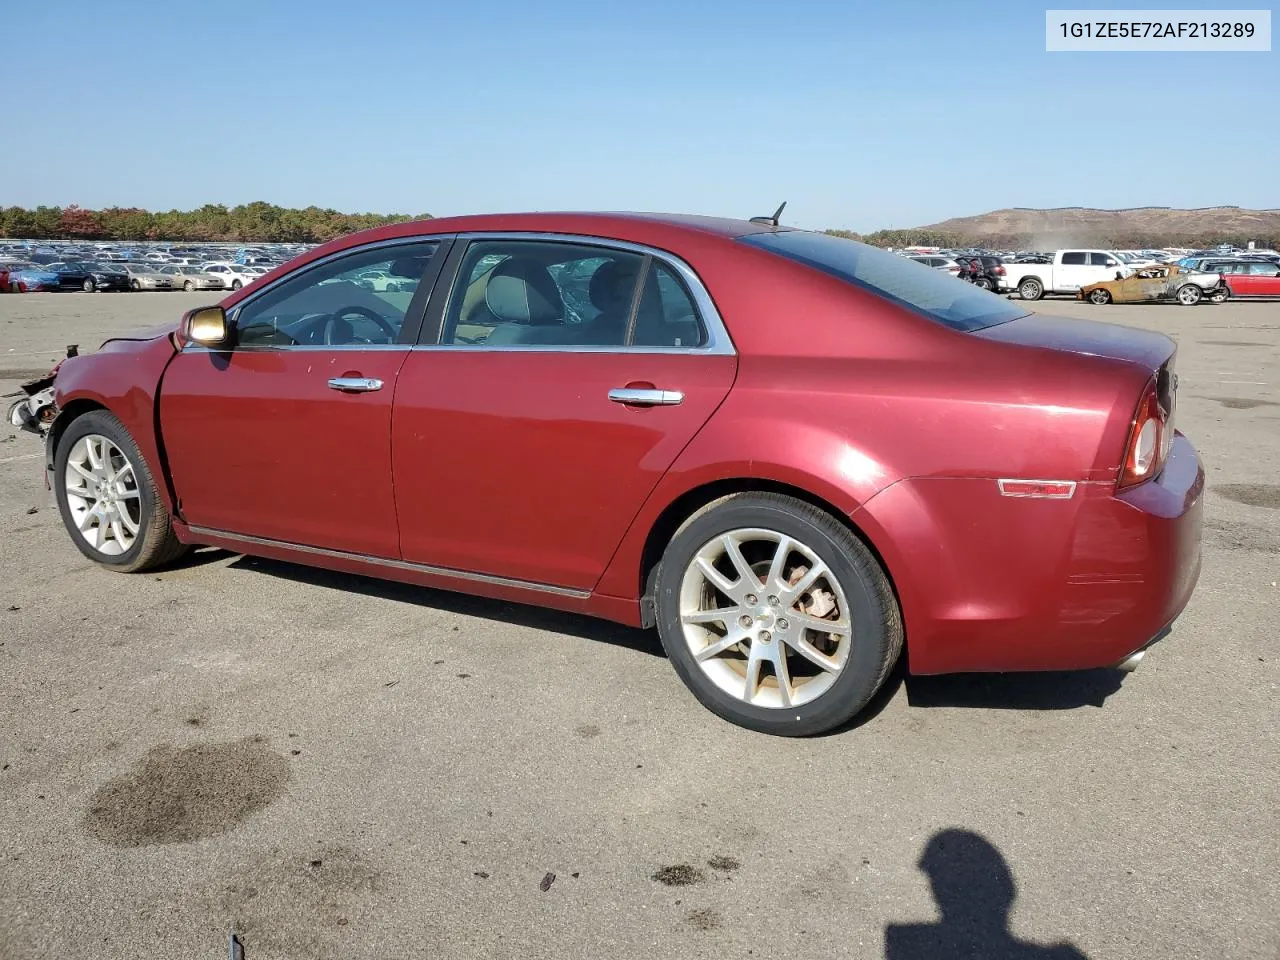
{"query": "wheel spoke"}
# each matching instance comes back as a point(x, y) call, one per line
point(87, 518)
point(813, 654)
point(85, 474)
point(727, 642)
point(840, 627)
point(129, 523)
point(725, 615)
point(716, 578)
point(801, 587)
point(127, 495)
point(752, 683)
point(746, 578)
point(100, 533)
point(777, 574)
point(117, 531)
point(782, 673)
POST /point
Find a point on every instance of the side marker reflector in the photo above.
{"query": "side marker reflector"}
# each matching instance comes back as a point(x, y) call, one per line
point(1042, 489)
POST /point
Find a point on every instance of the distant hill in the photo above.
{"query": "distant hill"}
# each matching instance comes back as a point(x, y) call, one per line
point(1024, 227)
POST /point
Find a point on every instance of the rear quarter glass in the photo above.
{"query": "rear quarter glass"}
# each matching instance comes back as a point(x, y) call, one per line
point(904, 282)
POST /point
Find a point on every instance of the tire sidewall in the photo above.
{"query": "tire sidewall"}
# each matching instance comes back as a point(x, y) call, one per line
point(1192, 302)
point(104, 424)
point(1035, 288)
point(863, 671)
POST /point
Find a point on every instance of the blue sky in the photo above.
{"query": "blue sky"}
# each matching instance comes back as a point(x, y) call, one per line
point(861, 115)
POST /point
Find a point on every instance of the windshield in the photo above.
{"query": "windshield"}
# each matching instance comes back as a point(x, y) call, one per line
point(932, 293)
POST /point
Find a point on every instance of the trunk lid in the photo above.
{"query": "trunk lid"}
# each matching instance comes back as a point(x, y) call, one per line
point(1090, 338)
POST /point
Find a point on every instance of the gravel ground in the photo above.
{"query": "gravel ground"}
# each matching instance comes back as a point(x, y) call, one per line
point(340, 767)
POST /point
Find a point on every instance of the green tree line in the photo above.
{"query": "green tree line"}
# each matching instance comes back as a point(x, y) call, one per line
point(1117, 239)
point(250, 222)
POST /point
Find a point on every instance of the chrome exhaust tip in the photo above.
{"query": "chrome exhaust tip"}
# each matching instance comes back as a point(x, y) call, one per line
point(1130, 663)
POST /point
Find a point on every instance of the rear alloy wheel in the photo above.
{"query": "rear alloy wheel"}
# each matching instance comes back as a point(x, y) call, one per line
point(188, 286)
point(88, 286)
point(775, 615)
point(1189, 295)
point(1099, 296)
point(1031, 289)
point(135, 284)
point(108, 498)
point(1221, 295)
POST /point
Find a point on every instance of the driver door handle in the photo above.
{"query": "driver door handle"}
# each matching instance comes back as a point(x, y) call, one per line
point(639, 397)
point(355, 384)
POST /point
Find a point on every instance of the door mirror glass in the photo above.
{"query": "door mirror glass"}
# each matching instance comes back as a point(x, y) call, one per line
point(207, 326)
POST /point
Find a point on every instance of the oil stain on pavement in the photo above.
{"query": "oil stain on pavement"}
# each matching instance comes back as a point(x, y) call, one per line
point(177, 795)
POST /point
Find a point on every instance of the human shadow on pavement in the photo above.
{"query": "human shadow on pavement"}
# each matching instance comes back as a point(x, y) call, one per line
point(539, 618)
point(975, 891)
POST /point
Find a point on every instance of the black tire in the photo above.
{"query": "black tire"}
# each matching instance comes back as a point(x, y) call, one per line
point(155, 544)
point(1031, 289)
point(88, 286)
point(1221, 295)
point(874, 614)
point(236, 284)
point(135, 285)
point(1099, 296)
point(188, 286)
point(985, 283)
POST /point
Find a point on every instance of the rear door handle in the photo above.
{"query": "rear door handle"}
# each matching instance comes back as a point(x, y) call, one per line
point(634, 397)
point(355, 384)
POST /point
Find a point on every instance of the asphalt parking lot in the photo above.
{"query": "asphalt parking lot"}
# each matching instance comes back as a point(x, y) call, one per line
point(338, 767)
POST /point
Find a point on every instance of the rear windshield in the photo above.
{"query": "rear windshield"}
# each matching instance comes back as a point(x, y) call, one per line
point(932, 293)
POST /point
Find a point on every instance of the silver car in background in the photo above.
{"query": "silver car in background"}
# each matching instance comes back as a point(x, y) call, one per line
point(145, 276)
point(191, 278)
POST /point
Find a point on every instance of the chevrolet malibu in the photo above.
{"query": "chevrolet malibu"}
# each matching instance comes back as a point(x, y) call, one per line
point(796, 456)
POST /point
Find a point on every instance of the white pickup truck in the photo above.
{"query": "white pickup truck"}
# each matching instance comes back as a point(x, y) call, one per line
point(1070, 270)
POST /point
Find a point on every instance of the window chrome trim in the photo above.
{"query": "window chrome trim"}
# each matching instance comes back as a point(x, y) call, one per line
point(719, 343)
point(234, 313)
point(423, 568)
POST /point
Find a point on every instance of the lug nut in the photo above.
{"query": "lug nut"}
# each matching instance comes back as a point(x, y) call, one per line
point(765, 636)
point(745, 621)
point(752, 599)
point(773, 601)
point(782, 623)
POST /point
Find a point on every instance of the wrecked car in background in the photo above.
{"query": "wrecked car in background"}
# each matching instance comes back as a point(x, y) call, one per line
point(1159, 283)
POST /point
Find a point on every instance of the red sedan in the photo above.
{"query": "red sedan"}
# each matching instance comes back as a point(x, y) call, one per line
point(793, 454)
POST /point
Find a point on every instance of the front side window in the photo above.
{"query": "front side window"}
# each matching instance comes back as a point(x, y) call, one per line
point(562, 294)
point(923, 290)
point(1100, 260)
point(330, 305)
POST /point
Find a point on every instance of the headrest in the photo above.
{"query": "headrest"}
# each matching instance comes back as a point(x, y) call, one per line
point(613, 285)
point(522, 291)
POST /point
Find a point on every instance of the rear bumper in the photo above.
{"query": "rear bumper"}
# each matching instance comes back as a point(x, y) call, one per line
point(1005, 584)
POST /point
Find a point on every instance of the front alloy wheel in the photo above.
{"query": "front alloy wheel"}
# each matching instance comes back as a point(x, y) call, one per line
point(1099, 296)
point(102, 495)
point(775, 614)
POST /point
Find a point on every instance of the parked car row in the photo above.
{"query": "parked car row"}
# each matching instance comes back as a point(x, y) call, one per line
point(91, 276)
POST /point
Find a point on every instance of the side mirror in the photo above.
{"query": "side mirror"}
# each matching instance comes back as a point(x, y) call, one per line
point(1119, 275)
point(206, 326)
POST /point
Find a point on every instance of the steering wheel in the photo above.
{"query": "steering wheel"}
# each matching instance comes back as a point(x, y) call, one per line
point(332, 320)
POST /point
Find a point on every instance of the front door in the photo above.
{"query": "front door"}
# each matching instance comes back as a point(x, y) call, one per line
point(567, 378)
point(287, 436)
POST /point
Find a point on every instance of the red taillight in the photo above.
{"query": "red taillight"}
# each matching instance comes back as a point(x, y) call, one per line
point(999, 271)
point(1149, 440)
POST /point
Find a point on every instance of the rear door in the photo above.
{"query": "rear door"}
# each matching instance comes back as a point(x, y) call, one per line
point(561, 379)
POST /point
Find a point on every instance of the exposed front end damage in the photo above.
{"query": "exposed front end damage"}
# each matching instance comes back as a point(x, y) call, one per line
point(34, 410)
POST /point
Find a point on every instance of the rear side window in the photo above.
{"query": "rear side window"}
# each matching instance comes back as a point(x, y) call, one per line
point(1075, 258)
point(931, 293)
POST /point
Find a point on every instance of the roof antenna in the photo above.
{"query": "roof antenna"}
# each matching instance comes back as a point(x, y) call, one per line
point(771, 220)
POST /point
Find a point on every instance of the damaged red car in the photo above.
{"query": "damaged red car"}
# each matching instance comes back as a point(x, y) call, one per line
point(797, 456)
